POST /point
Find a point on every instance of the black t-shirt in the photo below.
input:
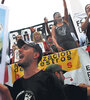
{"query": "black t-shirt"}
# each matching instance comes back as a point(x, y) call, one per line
point(73, 92)
point(64, 38)
point(41, 86)
point(54, 48)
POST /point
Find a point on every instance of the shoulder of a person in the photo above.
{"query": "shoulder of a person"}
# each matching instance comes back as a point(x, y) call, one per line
point(71, 86)
point(17, 81)
point(51, 76)
point(45, 76)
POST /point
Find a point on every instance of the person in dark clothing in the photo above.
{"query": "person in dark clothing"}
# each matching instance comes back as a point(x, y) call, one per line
point(72, 92)
point(49, 39)
point(35, 84)
point(61, 32)
point(51, 44)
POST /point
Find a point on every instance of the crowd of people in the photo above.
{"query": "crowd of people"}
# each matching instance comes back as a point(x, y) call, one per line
point(60, 37)
point(36, 84)
point(41, 85)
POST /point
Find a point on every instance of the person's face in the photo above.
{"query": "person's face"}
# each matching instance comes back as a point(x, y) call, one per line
point(19, 37)
point(58, 17)
point(37, 37)
point(26, 56)
point(50, 39)
point(60, 76)
point(88, 9)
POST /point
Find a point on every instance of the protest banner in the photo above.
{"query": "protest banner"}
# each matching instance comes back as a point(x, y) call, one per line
point(81, 75)
point(75, 61)
point(69, 60)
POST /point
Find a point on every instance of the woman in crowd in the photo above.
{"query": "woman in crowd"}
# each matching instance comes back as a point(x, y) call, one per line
point(37, 38)
point(61, 32)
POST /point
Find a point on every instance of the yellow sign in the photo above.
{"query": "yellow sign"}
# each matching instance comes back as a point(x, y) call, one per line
point(17, 72)
point(69, 60)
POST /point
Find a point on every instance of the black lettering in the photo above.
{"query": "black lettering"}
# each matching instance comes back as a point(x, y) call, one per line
point(14, 36)
point(88, 67)
point(42, 64)
point(52, 61)
point(78, 23)
point(63, 59)
point(15, 68)
point(49, 57)
point(58, 54)
point(88, 73)
point(68, 52)
point(44, 58)
point(21, 69)
point(54, 56)
point(63, 54)
point(69, 57)
point(47, 62)
point(57, 60)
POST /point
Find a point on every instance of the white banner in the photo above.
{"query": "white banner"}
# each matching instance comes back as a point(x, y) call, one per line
point(77, 14)
point(81, 75)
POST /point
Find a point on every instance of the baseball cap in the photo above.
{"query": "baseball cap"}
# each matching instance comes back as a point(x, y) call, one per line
point(20, 43)
point(54, 68)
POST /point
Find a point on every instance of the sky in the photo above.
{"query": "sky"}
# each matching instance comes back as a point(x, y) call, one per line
point(26, 13)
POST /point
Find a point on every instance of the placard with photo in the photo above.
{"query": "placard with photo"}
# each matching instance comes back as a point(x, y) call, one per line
point(3, 39)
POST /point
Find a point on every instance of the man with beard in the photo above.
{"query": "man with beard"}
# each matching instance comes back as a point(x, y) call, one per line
point(72, 92)
point(35, 84)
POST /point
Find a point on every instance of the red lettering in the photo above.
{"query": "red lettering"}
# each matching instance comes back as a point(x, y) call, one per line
point(69, 65)
point(16, 76)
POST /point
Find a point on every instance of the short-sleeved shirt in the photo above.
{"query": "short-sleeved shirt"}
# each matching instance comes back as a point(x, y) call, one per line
point(41, 86)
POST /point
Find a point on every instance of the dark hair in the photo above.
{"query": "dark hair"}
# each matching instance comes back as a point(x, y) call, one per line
point(55, 22)
point(40, 56)
point(55, 14)
point(86, 7)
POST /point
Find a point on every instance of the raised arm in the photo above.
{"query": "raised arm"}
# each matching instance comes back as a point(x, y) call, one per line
point(54, 39)
point(65, 11)
point(46, 24)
